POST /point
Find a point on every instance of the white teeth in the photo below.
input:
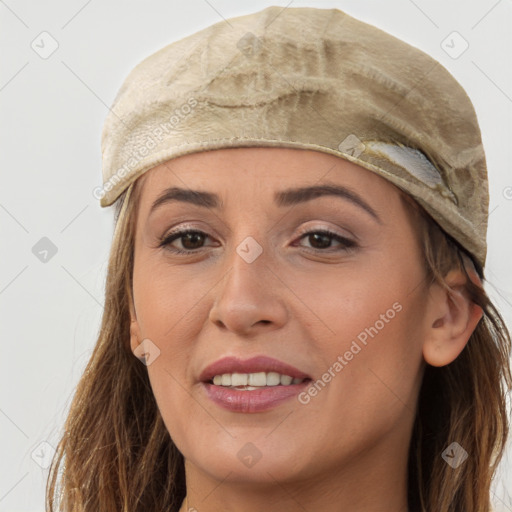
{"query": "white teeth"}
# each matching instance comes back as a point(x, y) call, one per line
point(250, 381)
point(273, 379)
point(286, 380)
point(257, 379)
point(239, 379)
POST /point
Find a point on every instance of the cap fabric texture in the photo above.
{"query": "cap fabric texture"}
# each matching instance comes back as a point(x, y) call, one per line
point(314, 79)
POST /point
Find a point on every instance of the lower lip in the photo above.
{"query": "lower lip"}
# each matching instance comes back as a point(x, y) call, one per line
point(256, 400)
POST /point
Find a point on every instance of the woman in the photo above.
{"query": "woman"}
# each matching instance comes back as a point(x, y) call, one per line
point(298, 262)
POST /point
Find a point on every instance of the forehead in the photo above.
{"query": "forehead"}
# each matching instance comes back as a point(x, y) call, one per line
point(258, 171)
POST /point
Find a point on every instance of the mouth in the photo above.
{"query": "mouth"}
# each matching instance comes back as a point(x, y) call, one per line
point(254, 385)
point(249, 372)
point(252, 381)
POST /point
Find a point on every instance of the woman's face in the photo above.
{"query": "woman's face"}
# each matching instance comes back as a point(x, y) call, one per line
point(261, 292)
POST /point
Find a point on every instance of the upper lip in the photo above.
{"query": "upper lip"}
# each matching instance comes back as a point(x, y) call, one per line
point(252, 365)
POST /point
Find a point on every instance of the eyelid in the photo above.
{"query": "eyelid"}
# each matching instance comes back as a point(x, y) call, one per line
point(302, 231)
point(348, 243)
point(164, 242)
point(180, 228)
point(335, 231)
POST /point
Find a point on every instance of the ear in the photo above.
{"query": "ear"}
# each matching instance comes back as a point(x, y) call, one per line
point(451, 319)
point(135, 333)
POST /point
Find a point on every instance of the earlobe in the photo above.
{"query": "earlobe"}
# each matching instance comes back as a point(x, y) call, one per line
point(135, 334)
point(135, 338)
point(451, 319)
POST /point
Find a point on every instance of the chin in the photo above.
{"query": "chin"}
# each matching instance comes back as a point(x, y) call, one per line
point(240, 460)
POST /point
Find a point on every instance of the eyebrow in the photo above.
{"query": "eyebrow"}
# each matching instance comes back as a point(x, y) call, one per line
point(295, 196)
point(284, 198)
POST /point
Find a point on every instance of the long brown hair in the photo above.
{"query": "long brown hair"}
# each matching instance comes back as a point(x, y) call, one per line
point(463, 402)
point(116, 454)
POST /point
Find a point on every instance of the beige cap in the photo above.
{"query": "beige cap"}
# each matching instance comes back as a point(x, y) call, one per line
point(307, 78)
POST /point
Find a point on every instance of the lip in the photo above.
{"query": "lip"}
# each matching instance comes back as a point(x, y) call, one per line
point(252, 365)
point(251, 401)
point(258, 400)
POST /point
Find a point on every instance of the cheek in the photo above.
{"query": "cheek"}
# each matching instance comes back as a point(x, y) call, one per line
point(357, 304)
point(371, 351)
point(171, 306)
point(168, 300)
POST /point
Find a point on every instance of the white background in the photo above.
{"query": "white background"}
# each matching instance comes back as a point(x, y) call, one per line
point(52, 111)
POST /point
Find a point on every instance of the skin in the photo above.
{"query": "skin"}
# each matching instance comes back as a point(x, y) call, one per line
point(347, 448)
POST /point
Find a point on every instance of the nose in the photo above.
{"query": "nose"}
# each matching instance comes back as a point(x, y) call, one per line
point(250, 298)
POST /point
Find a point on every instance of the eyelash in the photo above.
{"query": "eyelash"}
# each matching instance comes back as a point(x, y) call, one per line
point(166, 241)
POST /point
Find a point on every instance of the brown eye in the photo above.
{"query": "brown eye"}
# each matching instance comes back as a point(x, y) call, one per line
point(321, 240)
point(191, 240)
